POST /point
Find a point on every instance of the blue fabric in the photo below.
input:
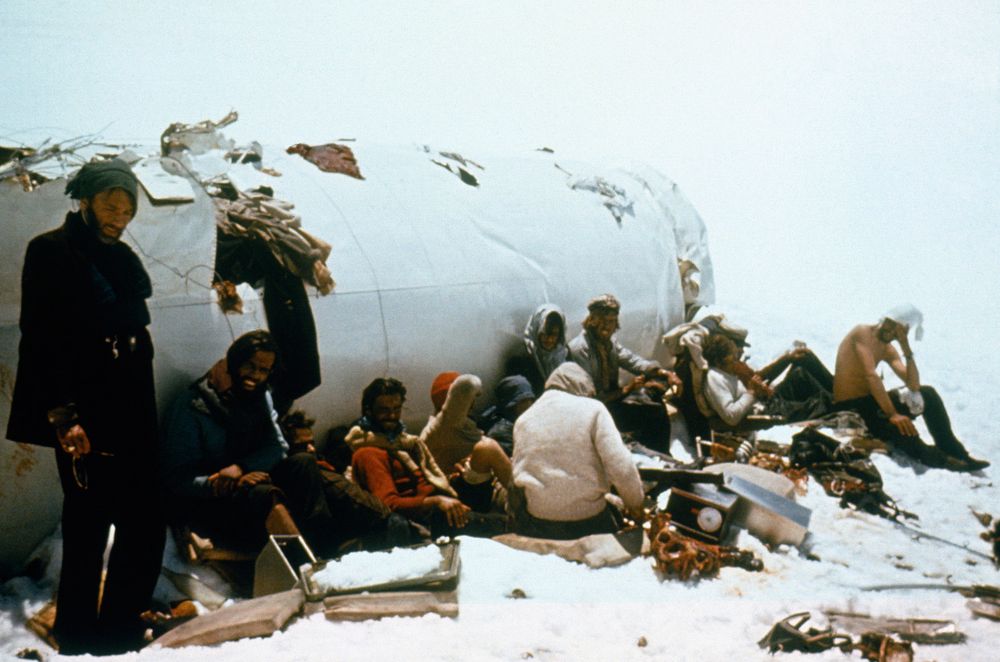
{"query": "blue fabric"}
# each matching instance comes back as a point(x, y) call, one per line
point(195, 447)
point(511, 391)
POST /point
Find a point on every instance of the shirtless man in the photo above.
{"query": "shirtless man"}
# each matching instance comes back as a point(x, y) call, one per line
point(858, 387)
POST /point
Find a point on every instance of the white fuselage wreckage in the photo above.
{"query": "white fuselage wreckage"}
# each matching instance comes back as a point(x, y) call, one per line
point(434, 271)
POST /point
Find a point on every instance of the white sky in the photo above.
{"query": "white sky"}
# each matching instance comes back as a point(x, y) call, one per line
point(843, 154)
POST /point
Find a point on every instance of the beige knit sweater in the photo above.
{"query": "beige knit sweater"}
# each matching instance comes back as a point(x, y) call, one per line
point(568, 453)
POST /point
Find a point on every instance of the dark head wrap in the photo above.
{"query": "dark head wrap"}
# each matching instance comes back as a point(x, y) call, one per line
point(512, 390)
point(509, 392)
point(100, 176)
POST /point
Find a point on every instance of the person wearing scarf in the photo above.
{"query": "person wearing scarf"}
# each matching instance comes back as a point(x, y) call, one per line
point(398, 468)
point(545, 341)
point(85, 387)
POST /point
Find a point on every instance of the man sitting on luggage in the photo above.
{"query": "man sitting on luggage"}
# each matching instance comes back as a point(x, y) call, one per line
point(889, 414)
point(637, 407)
point(398, 468)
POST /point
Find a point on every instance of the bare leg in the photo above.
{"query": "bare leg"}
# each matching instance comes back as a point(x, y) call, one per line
point(488, 457)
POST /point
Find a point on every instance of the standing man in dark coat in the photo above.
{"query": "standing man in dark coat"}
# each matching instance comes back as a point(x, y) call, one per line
point(85, 387)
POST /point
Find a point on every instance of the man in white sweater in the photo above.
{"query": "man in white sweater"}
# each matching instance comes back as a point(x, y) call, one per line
point(799, 396)
point(568, 455)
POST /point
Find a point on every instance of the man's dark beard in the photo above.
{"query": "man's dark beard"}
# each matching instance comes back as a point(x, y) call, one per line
point(91, 220)
point(242, 395)
point(378, 427)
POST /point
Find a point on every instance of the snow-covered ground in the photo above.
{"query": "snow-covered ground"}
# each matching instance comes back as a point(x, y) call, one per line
point(844, 156)
point(575, 613)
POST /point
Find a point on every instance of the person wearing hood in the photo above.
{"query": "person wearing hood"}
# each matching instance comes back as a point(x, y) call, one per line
point(568, 455)
point(889, 414)
point(223, 462)
point(637, 407)
point(85, 387)
point(513, 395)
point(399, 469)
point(545, 341)
point(459, 446)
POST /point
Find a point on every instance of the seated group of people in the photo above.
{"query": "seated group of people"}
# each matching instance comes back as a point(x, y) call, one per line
point(235, 472)
point(546, 465)
point(735, 396)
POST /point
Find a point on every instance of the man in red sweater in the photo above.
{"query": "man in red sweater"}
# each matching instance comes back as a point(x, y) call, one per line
point(397, 468)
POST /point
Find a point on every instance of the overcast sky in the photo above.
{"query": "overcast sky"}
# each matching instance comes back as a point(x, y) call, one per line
point(841, 154)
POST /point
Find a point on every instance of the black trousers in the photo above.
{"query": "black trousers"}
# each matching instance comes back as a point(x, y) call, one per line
point(609, 520)
point(117, 493)
point(330, 510)
point(697, 423)
point(797, 393)
point(234, 520)
point(809, 362)
point(799, 397)
point(935, 416)
point(645, 419)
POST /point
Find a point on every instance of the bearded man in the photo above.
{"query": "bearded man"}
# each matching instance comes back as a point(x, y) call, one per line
point(85, 388)
point(889, 414)
point(637, 407)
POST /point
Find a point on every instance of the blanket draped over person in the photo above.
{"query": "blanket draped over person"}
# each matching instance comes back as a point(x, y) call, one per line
point(684, 342)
